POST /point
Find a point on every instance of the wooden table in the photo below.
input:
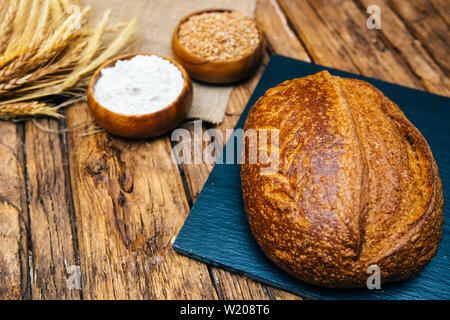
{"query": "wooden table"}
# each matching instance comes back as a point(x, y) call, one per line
point(108, 209)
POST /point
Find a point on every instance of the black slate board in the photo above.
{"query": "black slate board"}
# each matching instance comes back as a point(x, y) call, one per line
point(217, 232)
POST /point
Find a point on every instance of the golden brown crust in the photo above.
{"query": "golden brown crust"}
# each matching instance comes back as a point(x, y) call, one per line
point(356, 184)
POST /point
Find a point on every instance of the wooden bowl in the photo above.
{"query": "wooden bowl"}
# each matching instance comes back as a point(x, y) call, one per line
point(218, 72)
point(146, 125)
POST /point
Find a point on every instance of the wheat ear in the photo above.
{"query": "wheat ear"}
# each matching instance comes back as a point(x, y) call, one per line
point(60, 85)
point(6, 27)
point(64, 63)
point(48, 49)
point(16, 65)
point(25, 109)
point(59, 40)
point(15, 45)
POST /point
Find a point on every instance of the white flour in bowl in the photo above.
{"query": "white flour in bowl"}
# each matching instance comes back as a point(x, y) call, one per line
point(143, 84)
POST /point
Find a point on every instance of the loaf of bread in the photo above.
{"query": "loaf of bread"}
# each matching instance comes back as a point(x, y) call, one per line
point(356, 184)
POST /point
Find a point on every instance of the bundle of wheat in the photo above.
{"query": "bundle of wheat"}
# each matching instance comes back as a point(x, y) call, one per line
point(48, 48)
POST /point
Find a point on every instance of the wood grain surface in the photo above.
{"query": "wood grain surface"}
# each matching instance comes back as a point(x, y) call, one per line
point(107, 209)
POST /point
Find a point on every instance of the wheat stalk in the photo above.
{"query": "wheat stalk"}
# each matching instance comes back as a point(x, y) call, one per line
point(17, 42)
point(118, 43)
point(43, 22)
point(72, 55)
point(59, 40)
point(47, 48)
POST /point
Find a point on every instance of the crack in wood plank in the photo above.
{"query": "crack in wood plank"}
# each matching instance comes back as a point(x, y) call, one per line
point(14, 266)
